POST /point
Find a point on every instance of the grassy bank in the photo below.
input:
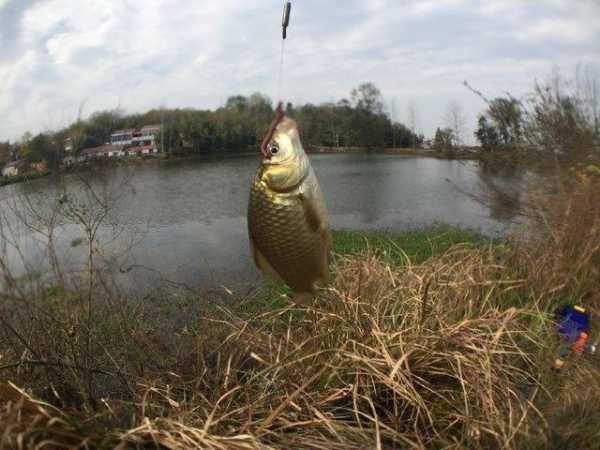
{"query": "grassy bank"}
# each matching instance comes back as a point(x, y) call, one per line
point(426, 339)
point(400, 247)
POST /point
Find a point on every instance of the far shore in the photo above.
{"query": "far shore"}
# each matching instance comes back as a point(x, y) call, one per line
point(421, 152)
point(165, 158)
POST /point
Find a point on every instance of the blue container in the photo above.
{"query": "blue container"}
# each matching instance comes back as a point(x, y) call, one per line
point(572, 320)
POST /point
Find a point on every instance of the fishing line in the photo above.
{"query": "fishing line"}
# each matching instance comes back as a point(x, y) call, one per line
point(285, 20)
point(281, 60)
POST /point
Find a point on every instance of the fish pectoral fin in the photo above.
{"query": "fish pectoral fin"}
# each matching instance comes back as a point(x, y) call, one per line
point(311, 214)
point(316, 224)
point(262, 263)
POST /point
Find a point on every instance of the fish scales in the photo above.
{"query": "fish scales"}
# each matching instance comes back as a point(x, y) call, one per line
point(287, 217)
point(281, 233)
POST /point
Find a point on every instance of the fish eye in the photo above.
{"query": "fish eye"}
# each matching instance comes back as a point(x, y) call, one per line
point(273, 148)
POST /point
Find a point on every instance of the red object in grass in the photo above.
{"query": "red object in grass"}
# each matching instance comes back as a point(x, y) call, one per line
point(581, 342)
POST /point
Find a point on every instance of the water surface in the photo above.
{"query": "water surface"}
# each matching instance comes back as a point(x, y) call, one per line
point(185, 221)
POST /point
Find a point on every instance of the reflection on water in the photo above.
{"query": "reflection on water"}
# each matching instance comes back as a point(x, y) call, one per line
point(502, 187)
point(188, 218)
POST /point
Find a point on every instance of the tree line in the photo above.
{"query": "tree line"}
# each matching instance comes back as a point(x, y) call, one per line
point(558, 114)
point(237, 126)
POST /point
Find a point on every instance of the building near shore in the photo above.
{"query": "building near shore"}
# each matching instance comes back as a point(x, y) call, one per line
point(143, 136)
point(103, 151)
point(68, 145)
point(122, 137)
point(14, 168)
point(127, 142)
point(140, 150)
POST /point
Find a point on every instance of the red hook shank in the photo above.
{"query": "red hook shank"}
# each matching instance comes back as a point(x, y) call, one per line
point(279, 115)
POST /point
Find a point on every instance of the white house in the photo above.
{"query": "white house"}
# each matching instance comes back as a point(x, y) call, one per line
point(68, 145)
point(122, 137)
point(136, 136)
point(13, 168)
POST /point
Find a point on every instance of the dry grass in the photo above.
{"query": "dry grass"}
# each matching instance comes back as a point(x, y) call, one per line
point(453, 352)
point(388, 357)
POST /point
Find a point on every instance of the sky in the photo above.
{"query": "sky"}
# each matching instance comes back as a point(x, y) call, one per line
point(59, 57)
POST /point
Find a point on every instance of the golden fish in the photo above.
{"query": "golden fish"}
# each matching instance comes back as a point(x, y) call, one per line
point(287, 216)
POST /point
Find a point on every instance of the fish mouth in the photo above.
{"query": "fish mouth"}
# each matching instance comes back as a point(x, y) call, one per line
point(279, 115)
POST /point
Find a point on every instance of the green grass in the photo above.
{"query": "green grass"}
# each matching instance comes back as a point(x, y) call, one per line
point(393, 247)
point(417, 245)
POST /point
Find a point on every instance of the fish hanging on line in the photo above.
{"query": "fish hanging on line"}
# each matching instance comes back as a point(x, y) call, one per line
point(287, 216)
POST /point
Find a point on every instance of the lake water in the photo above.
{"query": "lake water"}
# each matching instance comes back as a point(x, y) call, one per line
point(185, 221)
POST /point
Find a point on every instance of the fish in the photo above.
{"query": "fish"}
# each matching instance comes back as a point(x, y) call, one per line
point(288, 223)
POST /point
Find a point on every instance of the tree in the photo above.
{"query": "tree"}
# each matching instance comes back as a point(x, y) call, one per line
point(240, 124)
point(237, 103)
point(368, 97)
point(507, 118)
point(101, 124)
point(170, 136)
point(26, 137)
point(4, 152)
point(77, 135)
point(403, 137)
point(260, 103)
point(486, 134)
point(261, 111)
point(455, 120)
point(37, 149)
point(561, 118)
point(588, 90)
point(444, 139)
point(393, 120)
point(503, 123)
point(413, 118)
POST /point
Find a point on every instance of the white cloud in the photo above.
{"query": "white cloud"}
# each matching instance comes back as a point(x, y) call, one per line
point(558, 30)
point(425, 7)
point(145, 53)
